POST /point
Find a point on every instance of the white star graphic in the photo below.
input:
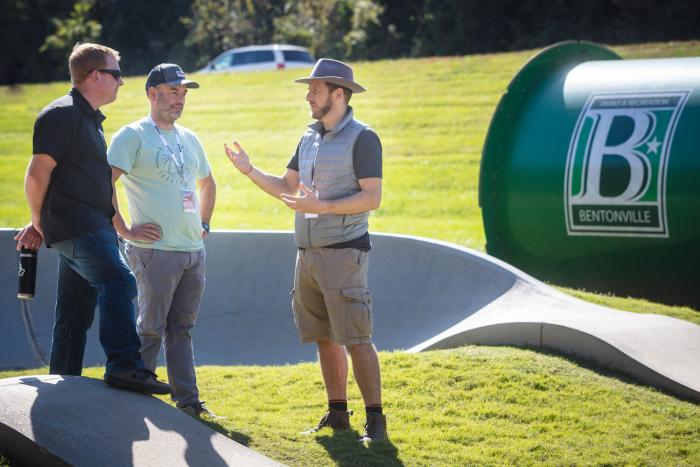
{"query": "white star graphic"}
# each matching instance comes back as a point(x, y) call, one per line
point(653, 145)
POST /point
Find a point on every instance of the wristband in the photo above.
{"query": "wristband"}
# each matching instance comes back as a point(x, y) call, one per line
point(205, 226)
point(249, 170)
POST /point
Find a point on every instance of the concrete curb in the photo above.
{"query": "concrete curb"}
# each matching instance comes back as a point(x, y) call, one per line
point(427, 294)
point(72, 420)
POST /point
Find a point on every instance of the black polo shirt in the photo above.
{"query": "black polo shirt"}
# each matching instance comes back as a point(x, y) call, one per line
point(79, 197)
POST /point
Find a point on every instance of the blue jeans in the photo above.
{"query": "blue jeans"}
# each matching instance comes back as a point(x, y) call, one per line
point(92, 272)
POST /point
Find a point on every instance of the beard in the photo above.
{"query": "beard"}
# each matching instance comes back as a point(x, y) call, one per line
point(168, 113)
point(322, 111)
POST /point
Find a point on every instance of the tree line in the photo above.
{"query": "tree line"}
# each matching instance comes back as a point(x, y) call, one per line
point(37, 35)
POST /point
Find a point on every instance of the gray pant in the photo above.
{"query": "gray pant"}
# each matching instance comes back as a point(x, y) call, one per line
point(170, 286)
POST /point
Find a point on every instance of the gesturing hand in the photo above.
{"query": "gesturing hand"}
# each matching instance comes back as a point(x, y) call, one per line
point(307, 202)
point(239, 158)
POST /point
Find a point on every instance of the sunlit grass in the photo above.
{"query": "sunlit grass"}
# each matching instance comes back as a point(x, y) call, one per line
point(468, 406)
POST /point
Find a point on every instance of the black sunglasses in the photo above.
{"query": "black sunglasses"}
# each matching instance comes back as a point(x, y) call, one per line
point(116, 74)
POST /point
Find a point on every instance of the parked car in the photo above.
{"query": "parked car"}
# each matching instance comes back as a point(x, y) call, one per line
point(260, 58)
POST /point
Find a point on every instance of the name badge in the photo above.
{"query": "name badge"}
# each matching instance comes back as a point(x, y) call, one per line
point(311, 215)
point(188, 202)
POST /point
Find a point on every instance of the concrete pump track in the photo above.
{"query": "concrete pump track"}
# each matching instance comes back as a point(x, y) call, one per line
point(427, 295)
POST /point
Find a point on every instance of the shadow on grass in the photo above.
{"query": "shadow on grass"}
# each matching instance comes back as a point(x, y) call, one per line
point(240, 438)
point(607, 371)
point(345, 450)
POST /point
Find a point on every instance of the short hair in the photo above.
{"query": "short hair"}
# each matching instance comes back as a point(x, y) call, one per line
point(87, 57)
point(347, 93)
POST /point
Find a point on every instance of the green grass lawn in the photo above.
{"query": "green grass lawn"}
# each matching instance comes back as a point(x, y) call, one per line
point(476, 405)
point(468, 406)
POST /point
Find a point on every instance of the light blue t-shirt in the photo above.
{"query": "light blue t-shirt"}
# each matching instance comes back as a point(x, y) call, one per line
point(160, 188)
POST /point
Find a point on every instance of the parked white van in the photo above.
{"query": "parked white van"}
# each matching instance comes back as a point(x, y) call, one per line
point(260, 58)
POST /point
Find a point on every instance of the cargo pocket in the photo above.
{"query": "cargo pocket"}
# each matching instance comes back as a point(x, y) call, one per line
point(356, 312)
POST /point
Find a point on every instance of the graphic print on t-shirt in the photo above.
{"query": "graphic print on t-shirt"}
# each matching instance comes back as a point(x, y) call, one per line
point(172, 171)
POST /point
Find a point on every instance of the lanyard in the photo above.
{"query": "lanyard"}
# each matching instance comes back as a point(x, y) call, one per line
point(180, 165)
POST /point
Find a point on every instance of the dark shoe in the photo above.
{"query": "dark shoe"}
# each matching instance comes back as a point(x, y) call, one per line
point(375, 428)
point(140, 380)
point(198, 410)
point(335, 419)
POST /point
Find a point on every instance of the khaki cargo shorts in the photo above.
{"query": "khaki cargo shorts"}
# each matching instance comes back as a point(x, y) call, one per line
point(330, 296)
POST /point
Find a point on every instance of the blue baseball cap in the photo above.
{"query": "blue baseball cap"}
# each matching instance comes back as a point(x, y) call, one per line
point(168, 73)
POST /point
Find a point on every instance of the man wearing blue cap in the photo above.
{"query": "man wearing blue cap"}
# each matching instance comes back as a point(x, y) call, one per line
point(332, 182)
point(171, 195)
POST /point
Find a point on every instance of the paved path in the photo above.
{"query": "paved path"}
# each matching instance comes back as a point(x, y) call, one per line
point(72, 420)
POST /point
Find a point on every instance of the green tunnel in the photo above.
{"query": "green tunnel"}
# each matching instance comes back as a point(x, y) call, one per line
point(590, 173)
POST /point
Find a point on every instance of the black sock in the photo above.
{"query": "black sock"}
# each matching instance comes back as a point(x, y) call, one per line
point(374, 409)
point(339, 404)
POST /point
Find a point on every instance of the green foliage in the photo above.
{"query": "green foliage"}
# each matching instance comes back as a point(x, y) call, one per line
point(218, 25)
point(146, 32)
point(24, 24)
point(328, 27)
point(191, 32)
point(449, 27)
point(76, 28)
point(467, 406)
point(356, 40)
point(334, 28)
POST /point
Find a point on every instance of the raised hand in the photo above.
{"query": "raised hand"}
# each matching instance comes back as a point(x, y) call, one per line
point(239, 158)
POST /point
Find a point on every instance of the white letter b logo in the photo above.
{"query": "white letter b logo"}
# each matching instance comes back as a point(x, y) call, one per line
point(605, 155)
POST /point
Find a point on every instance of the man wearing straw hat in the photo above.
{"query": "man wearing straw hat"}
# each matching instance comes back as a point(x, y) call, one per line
point(332, 182)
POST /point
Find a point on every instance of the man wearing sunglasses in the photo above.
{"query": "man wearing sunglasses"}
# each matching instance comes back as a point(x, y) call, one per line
point(68, 187)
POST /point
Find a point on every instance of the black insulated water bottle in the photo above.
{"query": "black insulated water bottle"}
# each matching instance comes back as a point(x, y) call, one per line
point(27, 273)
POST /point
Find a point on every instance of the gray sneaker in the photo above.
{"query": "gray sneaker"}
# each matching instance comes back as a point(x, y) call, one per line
point(335, 419)
point(198, 409)
point(375, 428)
